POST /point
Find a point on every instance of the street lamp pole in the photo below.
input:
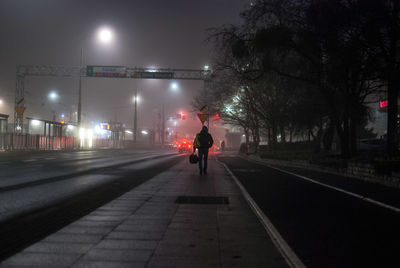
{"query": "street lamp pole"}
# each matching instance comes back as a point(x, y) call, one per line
point(135, 118)
point(80, 90)
point(163, 125)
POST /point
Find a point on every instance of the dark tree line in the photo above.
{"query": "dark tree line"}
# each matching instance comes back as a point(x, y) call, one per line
point(308, 67)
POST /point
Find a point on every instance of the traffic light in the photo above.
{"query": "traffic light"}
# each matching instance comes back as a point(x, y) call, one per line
point(183, 116)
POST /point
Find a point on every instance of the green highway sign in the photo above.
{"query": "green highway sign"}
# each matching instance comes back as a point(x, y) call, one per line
point(123, 72)
point(106, 71)
point(153, 75)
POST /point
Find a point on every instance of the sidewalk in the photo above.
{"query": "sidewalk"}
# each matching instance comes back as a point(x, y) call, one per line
point(146, 228)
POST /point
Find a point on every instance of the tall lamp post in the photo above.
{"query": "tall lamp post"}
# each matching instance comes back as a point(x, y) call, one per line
point(105, 36)
point(80, 90)
point(174, 87)
point(135, 99)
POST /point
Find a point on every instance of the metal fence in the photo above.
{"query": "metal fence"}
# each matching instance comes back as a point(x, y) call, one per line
point(12, 141)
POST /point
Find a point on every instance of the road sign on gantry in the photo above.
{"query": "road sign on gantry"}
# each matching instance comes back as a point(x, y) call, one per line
point(157, 75)
point(106, 71)
point(203, 117)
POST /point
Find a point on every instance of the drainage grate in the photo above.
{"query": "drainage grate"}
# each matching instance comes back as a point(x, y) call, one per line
point(207, 200)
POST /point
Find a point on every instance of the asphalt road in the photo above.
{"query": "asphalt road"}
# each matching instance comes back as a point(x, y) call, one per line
point(34, 179)
point(33, 204)
point(325, 227)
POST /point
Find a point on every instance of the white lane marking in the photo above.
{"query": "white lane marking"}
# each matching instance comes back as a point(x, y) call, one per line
point(29, 160)
point(362, 197)
point(367, 199)
point(288, 254)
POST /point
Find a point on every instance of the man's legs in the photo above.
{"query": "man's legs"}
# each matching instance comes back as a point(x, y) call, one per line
point(205, 160)
point(200, 152)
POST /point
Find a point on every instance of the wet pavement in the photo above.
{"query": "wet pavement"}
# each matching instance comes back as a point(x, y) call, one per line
point(145, 227)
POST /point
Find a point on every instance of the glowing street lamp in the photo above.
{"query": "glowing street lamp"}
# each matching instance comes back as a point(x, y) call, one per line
point(105, 35)
point(174, 86)
point(53, 95)
point(136, 99)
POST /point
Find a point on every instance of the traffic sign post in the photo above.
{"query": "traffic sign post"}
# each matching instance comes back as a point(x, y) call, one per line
point(202, 117)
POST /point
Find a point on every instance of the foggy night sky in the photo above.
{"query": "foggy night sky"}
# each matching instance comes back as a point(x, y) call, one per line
point(151, 33)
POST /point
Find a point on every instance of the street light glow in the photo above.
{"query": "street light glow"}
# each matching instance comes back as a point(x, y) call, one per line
point(105, 35)
point(137, 98)
point(1, 101)
point(174, 86)
point(53, 95)
point(35, 122)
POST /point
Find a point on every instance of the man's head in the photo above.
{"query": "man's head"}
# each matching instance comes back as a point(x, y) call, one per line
point(204, 129)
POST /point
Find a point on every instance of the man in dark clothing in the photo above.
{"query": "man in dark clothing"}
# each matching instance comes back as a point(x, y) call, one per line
point(203, 142)
point(222, 146)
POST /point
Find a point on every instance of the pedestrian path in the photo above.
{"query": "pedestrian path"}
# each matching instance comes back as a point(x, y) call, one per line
point(145, 227)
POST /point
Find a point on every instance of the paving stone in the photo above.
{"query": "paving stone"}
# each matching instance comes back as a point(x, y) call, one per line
point(128, 244)
point(188, 250)
point(111, 213)
point(174, 262)
point(86, 230)
point(118, 255)
point(135, 235)
point(29, 259)
point(93, 223)
point(192, 226)
point(150, 216)
point(73, 238)
point(141, 228)
point(134, 221)
point(51, 247)
point(104, 218)
point(108, 264)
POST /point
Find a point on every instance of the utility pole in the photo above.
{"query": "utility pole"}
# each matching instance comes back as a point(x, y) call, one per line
point(135, 118)
point(163, 126)
point(80, 90)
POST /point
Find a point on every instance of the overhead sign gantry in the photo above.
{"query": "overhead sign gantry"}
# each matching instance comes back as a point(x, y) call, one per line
point(94, 71)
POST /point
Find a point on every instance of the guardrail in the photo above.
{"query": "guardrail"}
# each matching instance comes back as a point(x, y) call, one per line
point(11, 141)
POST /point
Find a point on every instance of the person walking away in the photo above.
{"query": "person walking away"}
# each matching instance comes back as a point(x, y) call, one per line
point(222, 146)
point(203, 142)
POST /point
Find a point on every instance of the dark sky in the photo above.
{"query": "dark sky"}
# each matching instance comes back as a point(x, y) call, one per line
point(151, 33)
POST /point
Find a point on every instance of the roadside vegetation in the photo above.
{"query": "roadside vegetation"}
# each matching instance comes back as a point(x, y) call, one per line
point(302, 73)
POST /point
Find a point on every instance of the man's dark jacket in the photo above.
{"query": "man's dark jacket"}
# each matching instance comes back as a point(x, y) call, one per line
point(203, 140)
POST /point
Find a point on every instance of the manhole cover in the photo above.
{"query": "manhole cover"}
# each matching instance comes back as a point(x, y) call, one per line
point(208, 200)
